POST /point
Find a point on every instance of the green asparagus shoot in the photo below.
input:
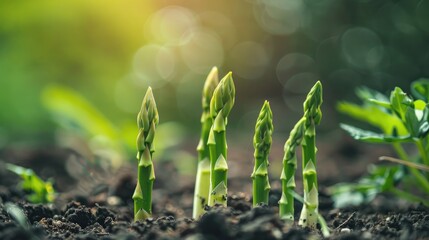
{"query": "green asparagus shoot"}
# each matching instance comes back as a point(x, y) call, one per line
point(286, 203)
point(262, 144)
point(202, 183)
point(147, 120)
point(313, 115)
point(40, 191)
point(220, 107)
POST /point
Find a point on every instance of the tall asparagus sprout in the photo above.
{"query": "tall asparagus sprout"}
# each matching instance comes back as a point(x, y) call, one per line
point(147, 120)
point(286, 203)
point(202, 183)
point(313, 115)
point(262, 144)
point(220, 107)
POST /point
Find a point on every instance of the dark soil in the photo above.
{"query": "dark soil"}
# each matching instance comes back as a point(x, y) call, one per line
point(102, 209)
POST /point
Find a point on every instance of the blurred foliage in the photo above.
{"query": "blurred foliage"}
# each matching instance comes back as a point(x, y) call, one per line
point(76, 115)
point(84, 44)
point(39, 191)
point(111, 51)
point(401, 119)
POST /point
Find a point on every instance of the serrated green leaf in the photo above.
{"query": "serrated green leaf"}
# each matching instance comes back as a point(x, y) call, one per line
point(372, 137)
point(373, 115)
point(420, 89)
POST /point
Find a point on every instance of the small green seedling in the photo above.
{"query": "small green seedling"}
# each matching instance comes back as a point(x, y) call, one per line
point(220, 107)
point(202, 183)
point(147, 120)
point(262, 144)
point(401, 119)
point(40, 191)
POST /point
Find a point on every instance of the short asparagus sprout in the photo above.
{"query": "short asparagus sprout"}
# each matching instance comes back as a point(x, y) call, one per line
point(262, 144)
point(202, 183)
point(147, 120)
point(286, 203)
point(313, 115)
point(220, 107)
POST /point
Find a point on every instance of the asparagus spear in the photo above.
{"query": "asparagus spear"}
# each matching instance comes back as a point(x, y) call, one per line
point(220, 107)
point(313, 115)
point(147, 120)
point(262, 144)
point(286, 203)
point(202, 183)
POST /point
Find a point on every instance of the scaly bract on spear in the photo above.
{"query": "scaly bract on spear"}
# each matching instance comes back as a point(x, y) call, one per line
point(262, 143)
point(220, 107)
point(202, 183)
point(313, 115)
point(147, 120)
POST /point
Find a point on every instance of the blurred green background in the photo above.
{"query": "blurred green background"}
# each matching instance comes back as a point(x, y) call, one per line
point(85, 65)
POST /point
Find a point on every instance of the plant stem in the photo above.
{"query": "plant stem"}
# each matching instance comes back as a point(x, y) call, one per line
point(422, 151)
point(286, 203)
point(202, 183)
point(424, 183)
point(323, 225)
point(311, 202)
point(262, 144)
point(220, 107)
point(147, 120)
point(313, 115)
point(409, 197)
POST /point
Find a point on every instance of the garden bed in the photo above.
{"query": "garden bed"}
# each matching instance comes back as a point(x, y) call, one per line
point(102, 209)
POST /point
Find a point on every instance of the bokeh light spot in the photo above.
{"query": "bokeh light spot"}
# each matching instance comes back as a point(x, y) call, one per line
point(362, 48)
point(154, 65)
point(249, 60)
point(277, 16)
point(202, 50)
point(168, 25)
point(296, 88)
point(292, 64)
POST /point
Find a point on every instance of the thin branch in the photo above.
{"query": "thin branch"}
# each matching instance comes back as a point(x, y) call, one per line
point(406, 163)
point(345, 222)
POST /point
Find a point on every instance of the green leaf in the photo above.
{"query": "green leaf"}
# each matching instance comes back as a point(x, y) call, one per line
point(411, 121)
point(423, 130)
point(71, 109)
point(375, 116)
point(400, 102)
point(380, 103)
point(420, 89)
point(366, 94)
point(41, 191)
point(379, 179)
point(372, 137)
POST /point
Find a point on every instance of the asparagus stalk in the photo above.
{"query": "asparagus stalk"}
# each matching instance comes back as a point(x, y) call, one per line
point(220, 107)
point(313, 115)
point(147, 120)
point(202, 183)
point(286, 203)
point(262, 144)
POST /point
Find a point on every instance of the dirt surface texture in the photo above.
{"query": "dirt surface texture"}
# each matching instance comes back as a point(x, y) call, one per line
point(103, 210)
